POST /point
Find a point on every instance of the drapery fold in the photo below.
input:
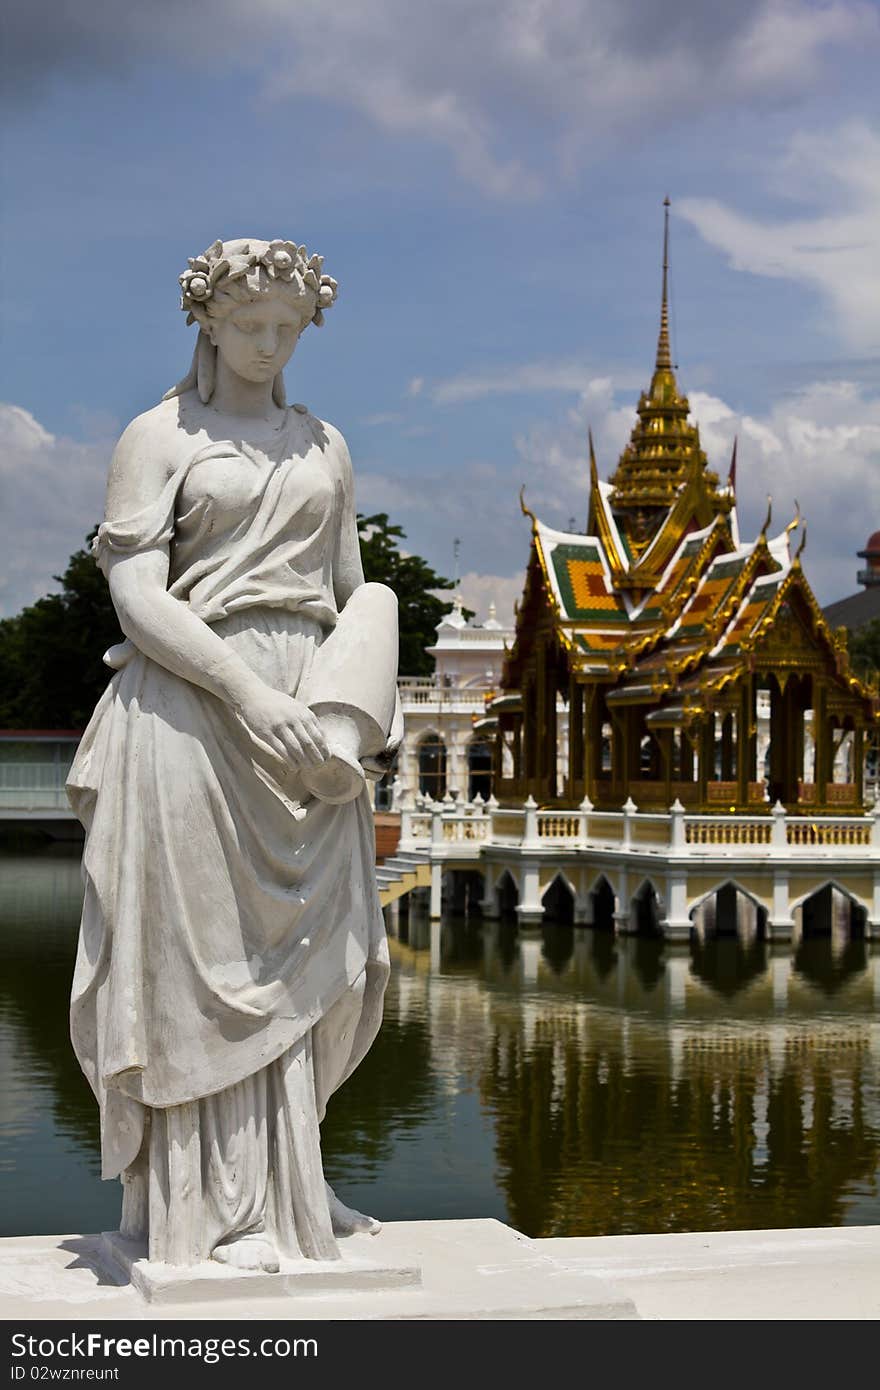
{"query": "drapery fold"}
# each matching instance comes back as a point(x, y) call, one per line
point(218, 927)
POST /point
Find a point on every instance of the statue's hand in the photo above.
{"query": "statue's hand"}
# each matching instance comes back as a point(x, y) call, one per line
point(287, 726)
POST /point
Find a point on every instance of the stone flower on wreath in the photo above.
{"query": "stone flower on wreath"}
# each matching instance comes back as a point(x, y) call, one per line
point(197, 283)
point(280, 259)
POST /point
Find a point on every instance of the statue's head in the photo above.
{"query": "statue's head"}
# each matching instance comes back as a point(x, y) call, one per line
point(251, 300)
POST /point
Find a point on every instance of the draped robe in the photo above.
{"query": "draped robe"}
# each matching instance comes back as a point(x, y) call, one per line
point(228, 941)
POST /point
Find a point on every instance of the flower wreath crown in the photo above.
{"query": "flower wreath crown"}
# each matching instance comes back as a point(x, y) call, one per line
point(282, 260)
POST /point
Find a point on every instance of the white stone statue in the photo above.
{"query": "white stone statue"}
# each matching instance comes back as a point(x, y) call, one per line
point(232, 956)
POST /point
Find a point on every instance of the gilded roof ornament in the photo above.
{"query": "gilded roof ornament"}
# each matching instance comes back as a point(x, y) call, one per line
point(664, 350)
point(594, 469)
point(526, 511)
point(664, 455)
point(731, 472)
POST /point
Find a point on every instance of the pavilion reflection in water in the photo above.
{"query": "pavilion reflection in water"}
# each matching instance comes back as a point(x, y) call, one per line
point(580, 1082)
point(635, 1087)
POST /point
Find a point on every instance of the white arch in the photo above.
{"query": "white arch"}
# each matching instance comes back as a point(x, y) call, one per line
point(477, 738)
point(613, 889)
point(832, 883)
point(564, 879)
point(430, 733)
point(600, 875)
point(724, 882)
point(647, 882)
point(507, 872)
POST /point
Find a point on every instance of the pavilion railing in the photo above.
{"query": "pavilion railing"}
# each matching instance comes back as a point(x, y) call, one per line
point(471, 827)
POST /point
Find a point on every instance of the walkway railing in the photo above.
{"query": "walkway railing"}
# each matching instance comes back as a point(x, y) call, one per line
point(452, 827)
point(416, 693)
point(29, 787)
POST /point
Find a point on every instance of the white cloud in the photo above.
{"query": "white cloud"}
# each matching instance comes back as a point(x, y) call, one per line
point(51, 495)
point(480, 590)
point(553, 454)
point(489, 81)
point(820, 445)
point(415, 386)
point(483, 77)
point(382, 417)
point(517, 380)
point(835, 252)
point(20, 434)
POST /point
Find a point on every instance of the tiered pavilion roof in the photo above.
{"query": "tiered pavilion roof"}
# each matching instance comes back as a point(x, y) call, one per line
point(660, 627)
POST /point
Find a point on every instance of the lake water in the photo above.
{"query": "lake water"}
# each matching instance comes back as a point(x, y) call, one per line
point(562, 1081)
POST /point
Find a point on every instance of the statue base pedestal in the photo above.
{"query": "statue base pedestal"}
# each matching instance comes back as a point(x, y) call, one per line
point(213, 1282)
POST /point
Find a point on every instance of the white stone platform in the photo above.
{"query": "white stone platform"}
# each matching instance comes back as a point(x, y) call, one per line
point(469, 1269)
point(211, 1282)
point(824, 1274)
point(485, 1270)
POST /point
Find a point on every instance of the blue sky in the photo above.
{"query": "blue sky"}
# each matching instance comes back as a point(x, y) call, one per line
point(485, 180)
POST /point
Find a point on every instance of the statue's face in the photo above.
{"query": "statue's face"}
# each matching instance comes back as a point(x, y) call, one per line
point(257, 339)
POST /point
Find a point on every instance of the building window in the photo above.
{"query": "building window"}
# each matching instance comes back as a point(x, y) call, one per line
point(432, 767)
point(479, 756)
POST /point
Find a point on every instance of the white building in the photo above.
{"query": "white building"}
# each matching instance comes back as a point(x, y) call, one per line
point(443, 752)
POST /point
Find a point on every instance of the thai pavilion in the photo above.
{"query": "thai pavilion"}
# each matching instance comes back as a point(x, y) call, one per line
point(633, 773)
point(660, 629)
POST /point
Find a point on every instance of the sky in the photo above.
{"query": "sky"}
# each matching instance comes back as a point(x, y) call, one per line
point(485, 180)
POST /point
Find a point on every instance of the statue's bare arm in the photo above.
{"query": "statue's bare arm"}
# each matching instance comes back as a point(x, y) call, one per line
point(166, 630)
point(348, 570)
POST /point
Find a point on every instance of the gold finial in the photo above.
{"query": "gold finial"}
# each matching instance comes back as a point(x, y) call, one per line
point(796, 519)
point(731, 474)
point(664, 352)
point(803, 543)
point(769, 517)
point(594, 471)
point(526, 511)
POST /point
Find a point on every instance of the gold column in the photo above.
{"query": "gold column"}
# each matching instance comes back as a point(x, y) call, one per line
point(550, 740)
point(686, 771)
point(859, 763)
point(575, 739)
point(540, 718)
point(707, 757)
point(592, 748)
point(727, 748)
point(821, 742)
point(530, 731)
point(619, 758)
point(667, 750)
point(777, 744)
point(745, 741)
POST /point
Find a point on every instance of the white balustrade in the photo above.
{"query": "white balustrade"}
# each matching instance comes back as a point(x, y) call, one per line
point(415, 693)
point(652, 833)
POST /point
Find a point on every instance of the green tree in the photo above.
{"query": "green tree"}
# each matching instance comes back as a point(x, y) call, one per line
point(412, 579)
point(51, 669)
point(864, 648)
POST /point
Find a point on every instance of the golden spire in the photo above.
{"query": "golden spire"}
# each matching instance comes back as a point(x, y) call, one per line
point(664, 451)
point(594, 471)
point(664, 455)
point(664, 352)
